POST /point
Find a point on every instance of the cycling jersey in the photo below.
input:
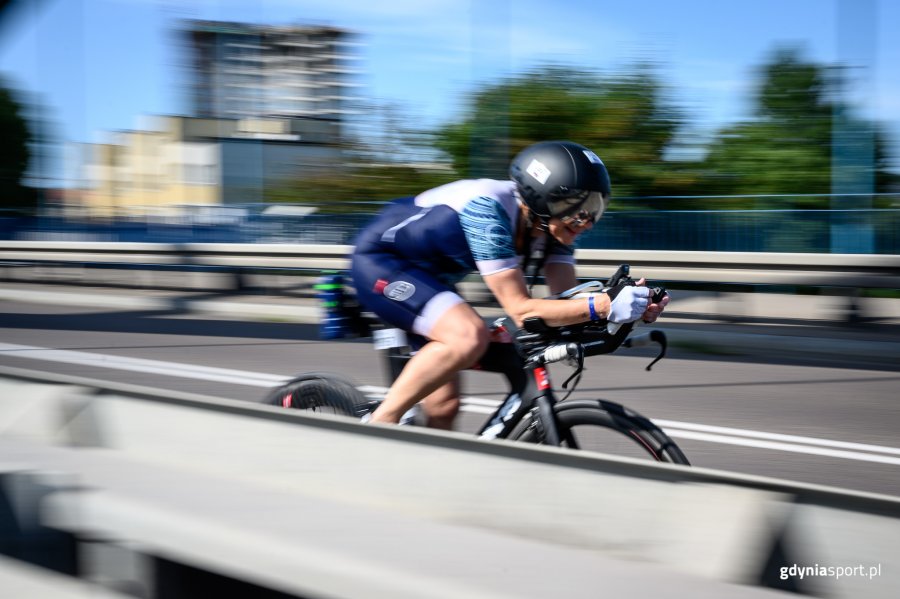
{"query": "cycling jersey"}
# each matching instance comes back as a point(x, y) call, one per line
point(407, 262)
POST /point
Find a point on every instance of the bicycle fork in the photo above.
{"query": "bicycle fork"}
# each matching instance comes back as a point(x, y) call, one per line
point(548, 426)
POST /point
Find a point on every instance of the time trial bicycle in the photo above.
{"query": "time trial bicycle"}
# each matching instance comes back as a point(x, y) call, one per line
point(531, 411)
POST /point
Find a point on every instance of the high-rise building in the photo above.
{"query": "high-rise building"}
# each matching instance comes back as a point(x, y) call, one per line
point(267, 105)
point(240, 70)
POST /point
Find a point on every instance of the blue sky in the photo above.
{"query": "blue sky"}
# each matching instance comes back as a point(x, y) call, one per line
point(100, 65)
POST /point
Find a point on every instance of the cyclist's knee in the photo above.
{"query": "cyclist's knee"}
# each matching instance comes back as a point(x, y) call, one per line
point(464, 333)
point(471, 342)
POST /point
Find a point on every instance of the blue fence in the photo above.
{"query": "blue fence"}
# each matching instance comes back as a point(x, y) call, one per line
point(813, 231)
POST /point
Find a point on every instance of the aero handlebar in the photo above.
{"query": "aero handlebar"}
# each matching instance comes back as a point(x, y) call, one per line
point(539, 342)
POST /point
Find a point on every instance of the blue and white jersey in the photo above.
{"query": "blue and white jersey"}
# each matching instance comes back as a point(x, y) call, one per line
point(455, 229)
point(408, 260)
point(488, 215)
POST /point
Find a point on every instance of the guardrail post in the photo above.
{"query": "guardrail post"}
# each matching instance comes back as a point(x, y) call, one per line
point(22, 535)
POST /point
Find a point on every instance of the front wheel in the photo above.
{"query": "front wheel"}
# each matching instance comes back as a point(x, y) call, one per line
point(605, 426)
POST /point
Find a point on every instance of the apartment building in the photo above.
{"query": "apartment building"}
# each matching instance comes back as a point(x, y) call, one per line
point(266, 103)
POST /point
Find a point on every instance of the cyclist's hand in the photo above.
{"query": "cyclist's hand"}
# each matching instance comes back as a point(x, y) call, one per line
point(630, 304)
point(654, 309)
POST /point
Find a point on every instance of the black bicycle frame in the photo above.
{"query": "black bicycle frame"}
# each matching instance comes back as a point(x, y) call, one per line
point(530, 389)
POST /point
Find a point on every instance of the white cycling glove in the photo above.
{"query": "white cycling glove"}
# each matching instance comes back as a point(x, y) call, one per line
point(629, 305)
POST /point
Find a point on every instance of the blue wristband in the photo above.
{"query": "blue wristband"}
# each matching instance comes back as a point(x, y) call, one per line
point(594, 316)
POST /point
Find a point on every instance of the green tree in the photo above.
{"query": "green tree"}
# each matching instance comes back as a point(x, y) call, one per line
point(14, 154)
point(786, 147)
point(624, 119)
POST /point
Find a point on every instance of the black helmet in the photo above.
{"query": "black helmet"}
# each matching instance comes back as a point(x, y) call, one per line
point(559, 178)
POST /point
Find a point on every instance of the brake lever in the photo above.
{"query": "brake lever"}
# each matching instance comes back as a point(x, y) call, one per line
point(579, 360)
point(659, 337)
point(654, 336)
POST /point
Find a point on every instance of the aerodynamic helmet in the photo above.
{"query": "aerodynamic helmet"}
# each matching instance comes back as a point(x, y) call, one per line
point(561, 178)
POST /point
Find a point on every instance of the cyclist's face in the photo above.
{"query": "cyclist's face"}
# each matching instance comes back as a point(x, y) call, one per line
point(566, 229)
point(566, 226)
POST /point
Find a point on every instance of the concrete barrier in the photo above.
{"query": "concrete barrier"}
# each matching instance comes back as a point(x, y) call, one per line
point(431, 486)
point(208, 532)
point(20, 580)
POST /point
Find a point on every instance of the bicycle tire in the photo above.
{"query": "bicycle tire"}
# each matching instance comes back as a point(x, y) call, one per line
point(611, 416)
point(321, 392)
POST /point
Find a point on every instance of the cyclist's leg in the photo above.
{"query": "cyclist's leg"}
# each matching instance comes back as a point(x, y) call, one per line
point(456, 341)
point(442, 406)
point(416, 301)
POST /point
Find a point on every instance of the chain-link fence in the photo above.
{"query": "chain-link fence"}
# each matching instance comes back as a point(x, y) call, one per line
point(788, 230)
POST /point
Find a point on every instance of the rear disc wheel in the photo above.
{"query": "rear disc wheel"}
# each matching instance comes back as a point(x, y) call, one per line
point(321, 392)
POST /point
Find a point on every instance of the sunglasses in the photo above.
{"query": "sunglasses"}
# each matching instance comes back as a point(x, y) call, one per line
point(579, 219)
point(583, 208)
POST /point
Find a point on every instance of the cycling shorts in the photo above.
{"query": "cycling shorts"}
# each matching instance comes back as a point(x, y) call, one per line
point(406, 282)
point(401, 293)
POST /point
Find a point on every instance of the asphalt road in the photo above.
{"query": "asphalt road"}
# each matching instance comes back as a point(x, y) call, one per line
point(802, 422)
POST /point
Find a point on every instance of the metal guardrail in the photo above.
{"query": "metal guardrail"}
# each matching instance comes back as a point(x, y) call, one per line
point(717, 268)
point(750, 268)
point(775, 223)
point(177, 255)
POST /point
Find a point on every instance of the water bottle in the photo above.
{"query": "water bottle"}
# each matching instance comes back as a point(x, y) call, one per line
point(330, 293)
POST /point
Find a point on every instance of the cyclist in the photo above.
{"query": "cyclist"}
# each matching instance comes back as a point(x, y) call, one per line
point(407, 261)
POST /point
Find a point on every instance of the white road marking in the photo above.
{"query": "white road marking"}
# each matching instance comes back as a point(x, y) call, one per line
point(737, 432)
point(95, 360)
point(792, 447)
point(681, 430)
point(476, 405)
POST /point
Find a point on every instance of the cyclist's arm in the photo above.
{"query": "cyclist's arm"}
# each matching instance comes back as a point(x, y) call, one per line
point(508, 286)
point(559, 276)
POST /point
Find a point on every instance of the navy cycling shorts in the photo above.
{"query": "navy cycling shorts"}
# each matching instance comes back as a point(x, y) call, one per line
point(399, 292)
